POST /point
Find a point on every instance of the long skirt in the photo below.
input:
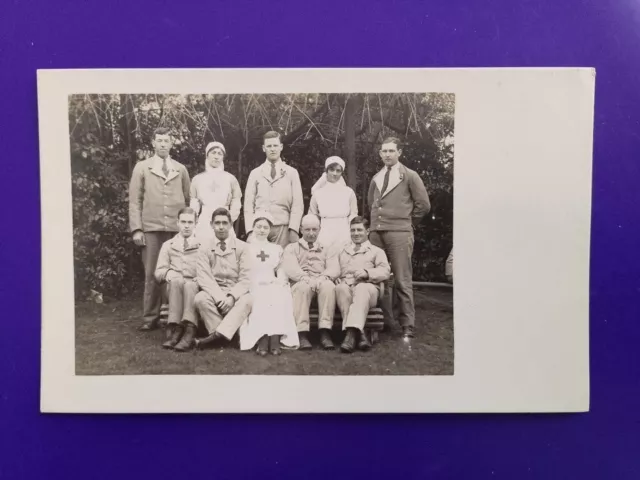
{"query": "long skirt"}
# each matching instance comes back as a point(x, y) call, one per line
point(271, 314)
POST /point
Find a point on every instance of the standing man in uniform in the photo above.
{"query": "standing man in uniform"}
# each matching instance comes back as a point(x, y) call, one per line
point(398, 200)
point(159, 189)
point(274, 187)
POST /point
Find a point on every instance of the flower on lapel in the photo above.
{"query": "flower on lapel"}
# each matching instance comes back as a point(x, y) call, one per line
point(401, 176)
point(282, 172)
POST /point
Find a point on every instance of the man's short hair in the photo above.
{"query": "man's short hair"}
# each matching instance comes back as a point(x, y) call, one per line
point(161, 131)
point(395, 140)
point(220, 211)
point(359, 220)
point(271, 134)
point(187, 210)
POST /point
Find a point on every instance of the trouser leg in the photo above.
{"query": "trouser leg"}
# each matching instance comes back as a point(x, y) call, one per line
point(236, 317)
point(206, 307)
point(399, 250)
point(365, 296)
point(386, 302)
point(175, 293)
point(326, 304)
point(189, 292)
point(302, 296)
point(152, 290)
point(344, 297)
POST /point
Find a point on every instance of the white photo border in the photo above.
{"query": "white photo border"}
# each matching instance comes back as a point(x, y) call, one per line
point(522, 213)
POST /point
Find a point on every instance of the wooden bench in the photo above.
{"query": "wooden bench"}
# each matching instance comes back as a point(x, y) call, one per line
point(372, 328)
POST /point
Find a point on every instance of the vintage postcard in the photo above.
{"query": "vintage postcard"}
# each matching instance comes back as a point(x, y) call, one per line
point(282, 240)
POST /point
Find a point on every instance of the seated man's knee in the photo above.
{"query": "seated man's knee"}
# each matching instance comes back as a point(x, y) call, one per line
point(365, 289)
point(301, 288)
point(327, 285)
point(201, 299)
point(342, 289)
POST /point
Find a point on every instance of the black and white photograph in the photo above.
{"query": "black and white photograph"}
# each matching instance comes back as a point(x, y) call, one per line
point(282, 240)
point(274, 234)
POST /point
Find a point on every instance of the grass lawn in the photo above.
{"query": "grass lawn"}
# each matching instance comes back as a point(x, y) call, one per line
point(108, 343)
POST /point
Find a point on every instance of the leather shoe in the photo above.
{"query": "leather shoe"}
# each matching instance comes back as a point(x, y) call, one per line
point(208, 341)
point(186, 342)
point(305, 344)
point(263, 346)
point(349, 342)
point(168, 331)
point(408, 331)
point(274, 345)
point(325, 339)
point(176, 333)
point(364, 343)
point(148, 326)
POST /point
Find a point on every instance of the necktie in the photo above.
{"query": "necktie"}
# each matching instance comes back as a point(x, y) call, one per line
point(385, 184)
point(273, 171)
point(186, 243)
point(223, 247)
point(310, 245)
point(165, 168)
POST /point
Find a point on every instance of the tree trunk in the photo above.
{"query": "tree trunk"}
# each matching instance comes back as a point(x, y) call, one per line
point(350, 143)
point(127, 127)
point(238, 222)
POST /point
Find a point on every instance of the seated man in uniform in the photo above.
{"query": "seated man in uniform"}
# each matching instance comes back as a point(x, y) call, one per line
point(177, 268)
point(363, 267)
point(306, 264)
point(223, 276)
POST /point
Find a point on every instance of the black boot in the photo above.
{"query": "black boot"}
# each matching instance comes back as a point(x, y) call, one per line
point(209, 340)
point(325, 339)
point(263, 346)
point(186, 342)
point(274, 344)
point(364, 343)
point(305, 344)
point(176, 332)
point(349, 342)
point(168, 331)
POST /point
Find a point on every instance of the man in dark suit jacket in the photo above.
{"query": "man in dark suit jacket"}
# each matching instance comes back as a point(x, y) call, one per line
point(398, 200)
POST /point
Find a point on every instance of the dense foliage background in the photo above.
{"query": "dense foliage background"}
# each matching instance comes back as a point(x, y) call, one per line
point(109, 133)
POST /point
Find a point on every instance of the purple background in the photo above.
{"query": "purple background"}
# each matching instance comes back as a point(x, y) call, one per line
point(126, 34)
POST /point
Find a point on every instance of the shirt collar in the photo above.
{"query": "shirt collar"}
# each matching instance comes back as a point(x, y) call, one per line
point(279, 163)
point(364, 246)
point(191, 240)
point(229, 242)
point(394, 168)
point(305, 245)
point(158, 162)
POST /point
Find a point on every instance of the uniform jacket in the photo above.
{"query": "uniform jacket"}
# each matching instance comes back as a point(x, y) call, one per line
point(154, 200)
point(281, 197)
point(369, 258)
point(173, 256)
point(220, 273)
point(299, 261)
point(404, 203)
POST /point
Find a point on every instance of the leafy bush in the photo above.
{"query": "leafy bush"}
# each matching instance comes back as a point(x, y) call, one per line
point(110, 132)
